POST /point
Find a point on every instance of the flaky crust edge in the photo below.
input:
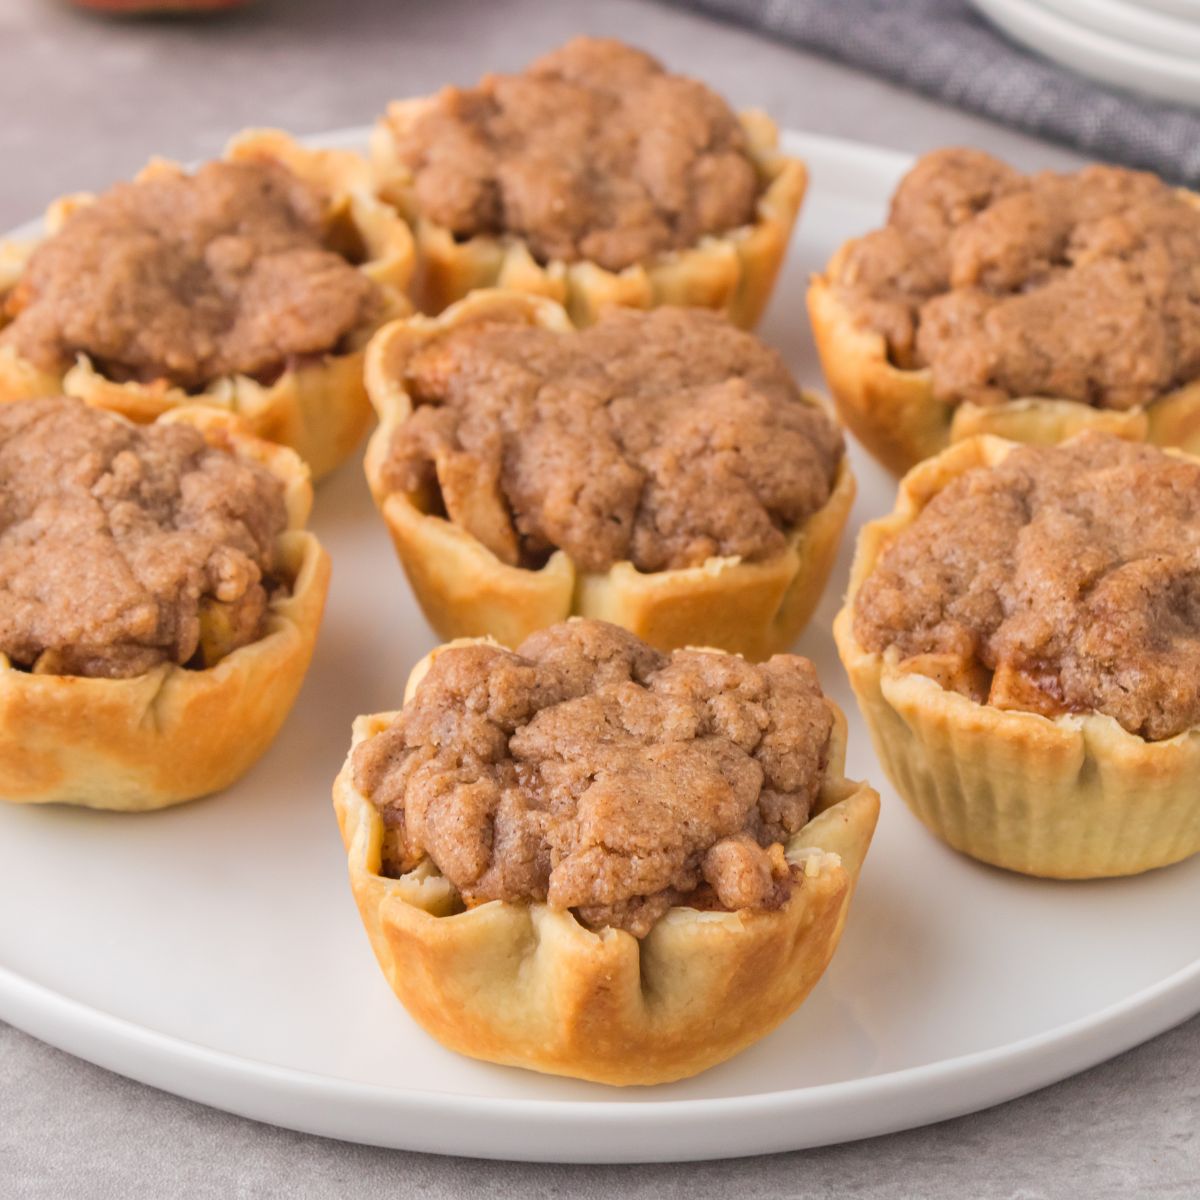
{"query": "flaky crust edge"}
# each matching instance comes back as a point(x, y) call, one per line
point(172, 734)
point(896, 416)
point(733, 272)
point(318, 407)
point(1074, 797)
point(525, 985)
point(755, 609)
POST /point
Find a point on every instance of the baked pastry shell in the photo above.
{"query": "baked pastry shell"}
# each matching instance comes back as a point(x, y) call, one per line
point(172, 734)
point(318, 405)
point(896, 416)
point(1073, 797)
point(751, 608)
point(529, 986)
point(733, 272)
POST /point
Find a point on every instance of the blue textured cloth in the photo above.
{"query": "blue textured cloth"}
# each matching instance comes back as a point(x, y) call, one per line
point(945, 49)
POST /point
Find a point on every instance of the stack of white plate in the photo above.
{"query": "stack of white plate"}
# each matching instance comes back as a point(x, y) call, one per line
point(1148, 46)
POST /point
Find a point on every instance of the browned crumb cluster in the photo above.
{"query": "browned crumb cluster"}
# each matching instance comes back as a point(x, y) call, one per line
point(189, 278)
point(662, 438)
point(116, 540)
point(590, 771)
point(593, 152)
point(1065, 579)
point(1082, 286)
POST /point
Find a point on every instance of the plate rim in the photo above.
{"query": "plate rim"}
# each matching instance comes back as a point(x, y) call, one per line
point(1167, 78)
point(1011, 1070)
point(755, 1123)
point(1120, 19)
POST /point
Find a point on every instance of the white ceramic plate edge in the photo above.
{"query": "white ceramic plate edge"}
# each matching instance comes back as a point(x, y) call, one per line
point(1183, 10)
point(1142, 27)
point(1108, 60)
point(436, 1123)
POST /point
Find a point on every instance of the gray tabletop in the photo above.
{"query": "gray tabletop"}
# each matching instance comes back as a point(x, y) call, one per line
point(88, 102)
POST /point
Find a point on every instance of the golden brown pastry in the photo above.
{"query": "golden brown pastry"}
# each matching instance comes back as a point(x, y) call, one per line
point(1027, 306)
point(1023, 637)
point(251, 285)
point(624, 867)
point(594, 177)
point(159, 602)
point(659, 470)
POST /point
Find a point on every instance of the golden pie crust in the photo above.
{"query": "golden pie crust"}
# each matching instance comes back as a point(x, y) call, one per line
point(172, 734)
point(1073, 797)
point(733, 272)
point(755, 609)
point(895, 415)
point(318, 406)
point(529, 986)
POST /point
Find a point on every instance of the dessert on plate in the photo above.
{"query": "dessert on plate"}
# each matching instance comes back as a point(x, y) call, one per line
point(251, 285)
point(594, 177)
point(658, 469)
point(1027, 306)
point(1023, 637)
point(589, 858)
point(159, 602)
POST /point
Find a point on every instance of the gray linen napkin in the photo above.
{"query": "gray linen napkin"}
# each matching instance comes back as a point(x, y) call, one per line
point(945, 49)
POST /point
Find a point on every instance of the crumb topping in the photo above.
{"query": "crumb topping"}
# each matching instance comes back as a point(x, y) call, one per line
point(124, 546)
point(187, 278)
point(1064, 579)
point(1083, 286)
point(591, 772)
point(593, 152)
point(662, 438)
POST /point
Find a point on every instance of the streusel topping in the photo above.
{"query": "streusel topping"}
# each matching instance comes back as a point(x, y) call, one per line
point(122, 545)
point(1064, 579)
point(593, 152)
point(662, 438)
point(1083, 286)
point(589, 771)
point(187, 278)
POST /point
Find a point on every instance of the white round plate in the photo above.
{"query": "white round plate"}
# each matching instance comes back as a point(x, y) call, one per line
point(214, 950)
point(1171, 77)
point(1129, 21)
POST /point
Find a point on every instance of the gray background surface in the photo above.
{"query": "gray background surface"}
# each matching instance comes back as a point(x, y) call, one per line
point(87, 102)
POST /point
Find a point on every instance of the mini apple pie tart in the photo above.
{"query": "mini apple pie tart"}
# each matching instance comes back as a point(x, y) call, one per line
point(591, 859)
point(1030, 307)
point(159, 602)
point(594, 177)
point(658, 469)
point(251, 285)
point(1023, 637)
